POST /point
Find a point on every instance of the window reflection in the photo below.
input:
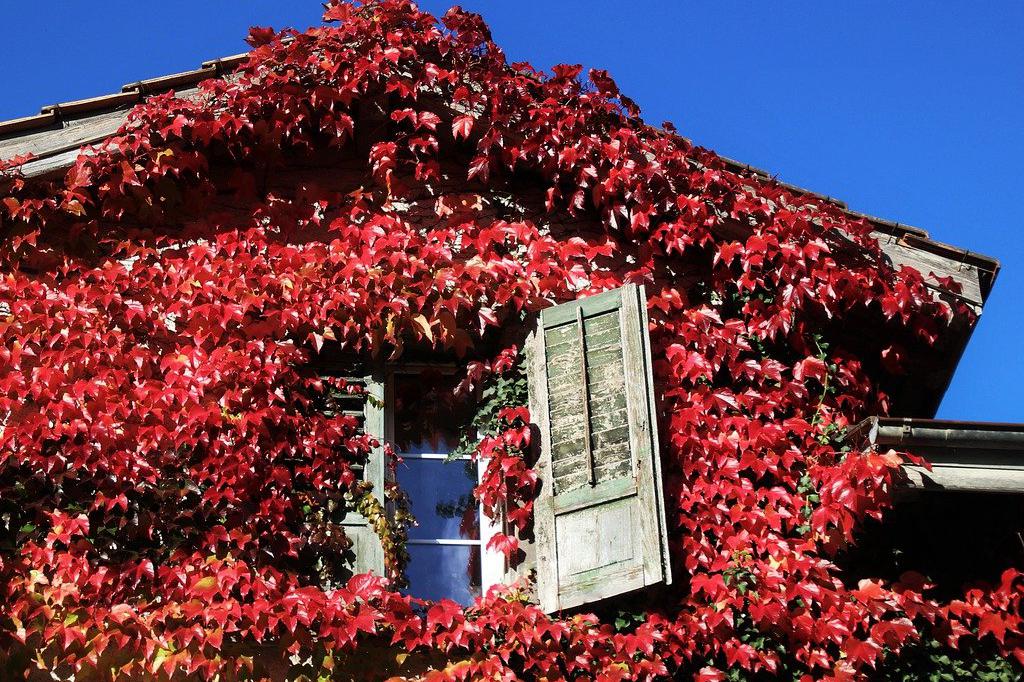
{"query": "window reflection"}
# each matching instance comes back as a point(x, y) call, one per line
point(441, 496)
point(444, 572)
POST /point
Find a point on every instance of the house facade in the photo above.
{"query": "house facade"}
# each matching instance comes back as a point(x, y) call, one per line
point(368, 343)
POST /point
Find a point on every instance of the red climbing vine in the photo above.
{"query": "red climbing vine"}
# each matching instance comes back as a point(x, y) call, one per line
point(390, 182)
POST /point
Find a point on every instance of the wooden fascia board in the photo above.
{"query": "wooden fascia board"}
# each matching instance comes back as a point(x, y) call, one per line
point(962, 456)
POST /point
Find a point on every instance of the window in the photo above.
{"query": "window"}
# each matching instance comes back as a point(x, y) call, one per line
point(600, 527)
point(447, 555)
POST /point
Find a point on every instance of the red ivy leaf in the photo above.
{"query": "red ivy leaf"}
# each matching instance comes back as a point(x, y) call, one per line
point(461, 126)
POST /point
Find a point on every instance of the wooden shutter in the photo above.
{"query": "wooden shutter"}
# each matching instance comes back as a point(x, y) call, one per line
point(367, 555)
point(599, 520)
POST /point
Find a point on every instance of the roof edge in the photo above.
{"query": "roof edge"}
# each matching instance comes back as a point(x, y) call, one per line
point(911, 431)
point(54, 116)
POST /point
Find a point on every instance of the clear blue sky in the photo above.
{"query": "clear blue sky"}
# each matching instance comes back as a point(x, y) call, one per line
point(912, 111)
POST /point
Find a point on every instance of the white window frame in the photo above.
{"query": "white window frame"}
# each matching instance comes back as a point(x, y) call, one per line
point(492, 562)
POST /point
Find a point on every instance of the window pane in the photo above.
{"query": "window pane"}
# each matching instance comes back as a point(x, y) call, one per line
point(441, 497)
point(444, 572)
point(428, 416)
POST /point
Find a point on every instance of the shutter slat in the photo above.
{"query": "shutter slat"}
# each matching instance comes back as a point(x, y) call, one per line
point(608, 471)
point(599, 521)
point(611, 390)
point(613, 418)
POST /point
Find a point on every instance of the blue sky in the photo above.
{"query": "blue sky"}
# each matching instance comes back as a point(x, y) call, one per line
point(912, 111)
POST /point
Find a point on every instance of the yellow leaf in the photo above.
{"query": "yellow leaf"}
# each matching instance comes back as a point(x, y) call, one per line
point(161, 656)
point(206, 587)
point(424, 327)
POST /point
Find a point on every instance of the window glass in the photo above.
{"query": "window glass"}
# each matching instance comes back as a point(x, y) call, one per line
point(441, 497)
point(444, 547)
point(444, 572)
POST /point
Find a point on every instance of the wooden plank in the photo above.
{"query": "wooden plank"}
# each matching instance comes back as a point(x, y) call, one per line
point(35, 122)
point(72, 134)
point(608, 359)
point(987, 479)
point(565, 364)
point(608, 382)
point(608, 420)
point(614, 436)
point(566, 429)
point(568, 453)
point(598, 532)
point(599, 322)
point(58, 147)
point(556, 337)
point(914, 252)
point(652, 409)
point(57, 163)
point(544, 516)
point(601, 584)
point(609, 426)
point(599, 494)
point(568, 441)
point(617, 433)
point(609, 440)
point(641, 442)
point(367, 552)
point(568, 414)
point(570, 481)
point(374, 426)
point(78, 107)
point(593, 305)
point(366, 547)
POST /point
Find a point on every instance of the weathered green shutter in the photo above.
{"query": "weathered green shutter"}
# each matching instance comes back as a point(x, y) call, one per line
point(599, 519)
point(367, 553)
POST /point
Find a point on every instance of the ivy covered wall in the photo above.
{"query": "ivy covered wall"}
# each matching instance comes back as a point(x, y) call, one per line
point(389, 184)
